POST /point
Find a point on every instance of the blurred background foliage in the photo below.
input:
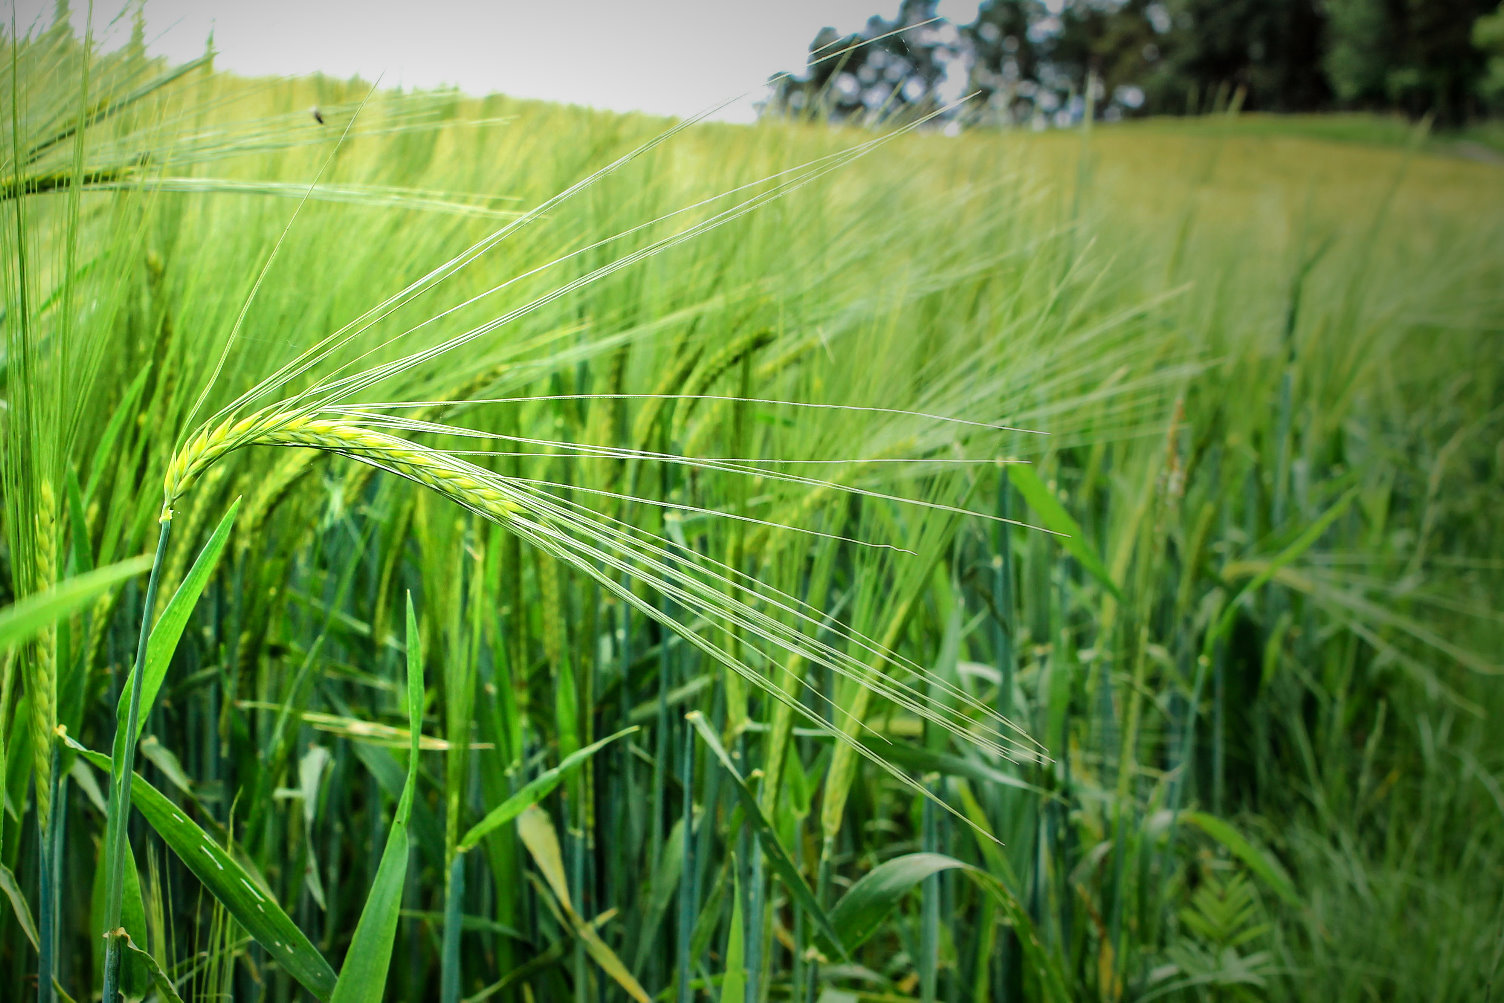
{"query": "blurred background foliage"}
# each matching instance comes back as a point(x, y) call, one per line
point(1043, 61)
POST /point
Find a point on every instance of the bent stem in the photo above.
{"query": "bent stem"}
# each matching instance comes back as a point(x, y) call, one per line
point(121, 767)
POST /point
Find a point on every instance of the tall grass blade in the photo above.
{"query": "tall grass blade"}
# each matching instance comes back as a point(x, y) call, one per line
point(122, 773)
point(734, 984)
point(242, 892)
point(1054, 517)
point(666, 877)
point(168, 630)
point(363, 977)
point(22, 621)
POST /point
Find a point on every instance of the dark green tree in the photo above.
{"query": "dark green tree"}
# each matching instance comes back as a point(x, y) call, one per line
point(1121, 44)
point(1440, 67)
point(1488, 38)
point(1271, 49)
point(1416, 56)
point(1361, 51)
point(1027, 59)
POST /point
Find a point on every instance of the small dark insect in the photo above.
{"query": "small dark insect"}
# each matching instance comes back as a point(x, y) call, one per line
point(318, 116)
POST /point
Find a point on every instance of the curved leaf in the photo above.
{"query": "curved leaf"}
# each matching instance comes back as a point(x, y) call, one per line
point(542, 843)
point(534, 791)
point(238, 890)
point(1038, 496)
point(778, 857)
point(868, 902)
point(173, 621)
point(363, 977)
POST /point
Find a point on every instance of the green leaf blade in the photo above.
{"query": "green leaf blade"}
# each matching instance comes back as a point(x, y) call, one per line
point(534, 791)
point(778, 857)
point(363, 977)
point(1054, 517)
point(24, 620)
point(169, 628)
point(239, 891)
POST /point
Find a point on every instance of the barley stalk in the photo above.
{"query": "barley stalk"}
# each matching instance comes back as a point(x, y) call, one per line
point(44, 658)
point(552, 610)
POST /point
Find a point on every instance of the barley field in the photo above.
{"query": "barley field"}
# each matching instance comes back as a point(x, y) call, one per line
point(465, 549)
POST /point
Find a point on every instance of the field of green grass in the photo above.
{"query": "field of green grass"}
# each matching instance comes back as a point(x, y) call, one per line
point(796, 563)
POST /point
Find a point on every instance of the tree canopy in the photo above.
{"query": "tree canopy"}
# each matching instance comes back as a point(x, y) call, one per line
point(1050, 61)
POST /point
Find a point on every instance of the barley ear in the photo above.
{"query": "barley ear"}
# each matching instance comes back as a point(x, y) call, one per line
point(43, 682)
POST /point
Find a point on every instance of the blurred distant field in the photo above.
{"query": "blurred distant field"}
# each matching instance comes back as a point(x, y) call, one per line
point(682, 696)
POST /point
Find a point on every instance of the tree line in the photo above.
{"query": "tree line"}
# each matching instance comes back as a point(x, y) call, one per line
point(1054, 61)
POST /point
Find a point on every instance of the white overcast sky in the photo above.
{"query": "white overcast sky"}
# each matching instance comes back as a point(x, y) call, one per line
point(672, 57)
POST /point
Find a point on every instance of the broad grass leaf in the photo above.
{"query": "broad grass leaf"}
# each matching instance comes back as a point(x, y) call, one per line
point(534, 791)
point(135, 979)
point(18, 905)
point(778, 857)
point(363, 977)
point(538, 836)
point(868, 902)
point(170, 626)
point(238, 890)
point(1042, 501)
point(30, 616)
point(158, 978)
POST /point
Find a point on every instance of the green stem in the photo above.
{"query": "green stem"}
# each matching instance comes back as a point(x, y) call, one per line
point(449, 966)
point(687, 902)
point(120, 781)
point(822, 895)
point(47, 904)
point(929, 924)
